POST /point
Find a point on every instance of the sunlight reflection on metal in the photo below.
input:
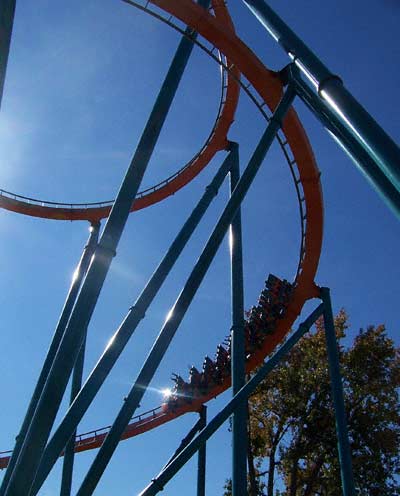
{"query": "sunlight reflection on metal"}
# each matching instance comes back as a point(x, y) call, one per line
point(169, 315)
point(75, 275)
point(110, 342)
point(325, 95)
point(230, 239)
point(304, 70)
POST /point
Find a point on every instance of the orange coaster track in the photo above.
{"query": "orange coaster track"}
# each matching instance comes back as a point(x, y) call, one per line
point(219, 32)
point(216, 141)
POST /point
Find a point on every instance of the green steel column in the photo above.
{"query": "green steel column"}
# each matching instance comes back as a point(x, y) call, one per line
point(363, 161)
point(7, 11)
point(188, 438)
point(169, 471)
point(238, 360)
point(58, 334)
point(201, 462)
point(346, 470)
point(69, 454)
point(68, 463)
point(359, 124)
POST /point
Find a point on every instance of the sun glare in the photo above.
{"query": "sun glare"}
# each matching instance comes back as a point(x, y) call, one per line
point(75, 275)
point(110, 342)
point(166, 392)
point(169, 314)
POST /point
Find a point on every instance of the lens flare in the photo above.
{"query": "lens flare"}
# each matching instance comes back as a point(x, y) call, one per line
point(166, 392)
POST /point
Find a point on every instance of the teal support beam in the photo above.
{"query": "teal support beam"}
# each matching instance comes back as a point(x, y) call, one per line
point(363, 161)
point(7, 12)
point(238, 352)
point(357, 121)
point(43, 419)
point(182, 304)
point(202, 456)
point(76, 283)
point(346, 469)
point(69, 454)
point(76, 384)
point(201, 463)
point(190, 435)
point(168, 472)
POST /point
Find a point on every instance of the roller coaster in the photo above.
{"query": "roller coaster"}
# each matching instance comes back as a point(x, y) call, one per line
point(255, 343)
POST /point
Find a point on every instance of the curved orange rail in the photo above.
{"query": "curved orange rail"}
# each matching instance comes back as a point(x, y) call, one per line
point(94, 439)
point(269, 87)
point(216, 142)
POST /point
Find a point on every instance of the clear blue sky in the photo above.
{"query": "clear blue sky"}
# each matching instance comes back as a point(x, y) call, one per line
point(81, 81)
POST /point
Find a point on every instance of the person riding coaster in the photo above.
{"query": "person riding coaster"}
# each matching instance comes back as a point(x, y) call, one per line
point(261, 321)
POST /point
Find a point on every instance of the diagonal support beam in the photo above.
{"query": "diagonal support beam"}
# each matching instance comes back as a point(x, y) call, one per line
point(7, 12)
point(198, 426)
point(363, 161)
point(356, 120)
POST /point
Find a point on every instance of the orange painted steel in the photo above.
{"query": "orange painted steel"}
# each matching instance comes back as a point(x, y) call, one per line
point(94, 439)
point(268, 85)
point(94, 212)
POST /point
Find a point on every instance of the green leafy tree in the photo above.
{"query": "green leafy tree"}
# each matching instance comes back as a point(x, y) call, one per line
point(292, 424)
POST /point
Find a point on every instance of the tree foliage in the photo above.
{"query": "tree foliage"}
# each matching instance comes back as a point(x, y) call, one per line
point(292, 424)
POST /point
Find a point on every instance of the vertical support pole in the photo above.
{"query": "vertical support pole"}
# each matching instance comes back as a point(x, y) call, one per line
point(7, 11)
point(68, 464)
point(201, 461)
point(338, 397)
point(238, 365)
point(58, 334)
point(69, 455)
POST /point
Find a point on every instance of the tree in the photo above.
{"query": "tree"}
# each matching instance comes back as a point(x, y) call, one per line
point(292, 424)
